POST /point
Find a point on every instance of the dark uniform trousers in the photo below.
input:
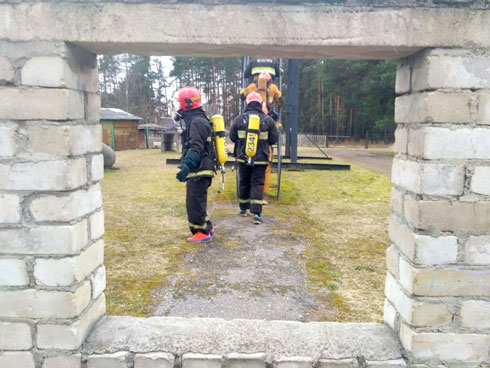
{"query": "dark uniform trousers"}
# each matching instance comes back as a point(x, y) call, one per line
point(251, 187)
point(195, 201)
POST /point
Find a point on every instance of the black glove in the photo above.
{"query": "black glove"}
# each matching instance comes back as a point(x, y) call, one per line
point(273, 115)
point(243, 97)
point(182, 174)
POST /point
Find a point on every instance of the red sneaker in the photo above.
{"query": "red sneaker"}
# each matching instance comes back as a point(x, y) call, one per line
point(200, 238)
point(212, 231)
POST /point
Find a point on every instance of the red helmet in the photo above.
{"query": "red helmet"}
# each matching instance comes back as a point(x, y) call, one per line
point(254, 97)
point(189, 98)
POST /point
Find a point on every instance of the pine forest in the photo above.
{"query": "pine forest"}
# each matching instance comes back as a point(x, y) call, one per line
point(344, 99)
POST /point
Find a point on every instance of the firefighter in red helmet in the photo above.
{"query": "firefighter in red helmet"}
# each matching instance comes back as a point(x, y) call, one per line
point(197, 165)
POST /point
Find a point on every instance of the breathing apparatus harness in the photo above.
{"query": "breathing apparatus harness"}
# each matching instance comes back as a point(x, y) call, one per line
point(217, 138)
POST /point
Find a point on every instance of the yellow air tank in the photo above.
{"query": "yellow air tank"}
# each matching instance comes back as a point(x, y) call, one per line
point(219, 145)
point(219, 129)
point(252, 137)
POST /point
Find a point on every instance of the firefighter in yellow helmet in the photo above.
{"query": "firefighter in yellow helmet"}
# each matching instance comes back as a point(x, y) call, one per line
point(269, 92)
point(253, 132)
point(257, 66)
point(197, 165)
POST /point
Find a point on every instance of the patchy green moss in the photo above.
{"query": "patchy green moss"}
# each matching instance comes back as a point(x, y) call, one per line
point(232, 244)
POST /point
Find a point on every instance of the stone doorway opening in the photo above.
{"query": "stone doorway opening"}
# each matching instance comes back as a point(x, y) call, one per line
point(437, 301)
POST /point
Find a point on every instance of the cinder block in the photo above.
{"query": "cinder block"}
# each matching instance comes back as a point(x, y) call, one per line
point(444, 282)
point(8, 143)
point(395, 363)
point(63, 361)
point(28, 49)
point(84, 63)
point(16, 359)
point(154, 360)
point(430, 179)
point(448, 216)
point(396, 201)
point(39, 104)
point(13, 272)
point(45, 175)
point(97, 225)
point(49, 71)
point(475, 314)
point(66, 239)
point(192, 360)
point(293, 362)
point(484, 108)
point(15, 336)
point(115, 360)
point(435, 251)
point(415, 312)
point(68, 207)
point(341, 363)
point(450, 69)
point(403, 75)
point(86, 139)
point(48, 138)
point(92, 107)
point(477, 250)
point(433, 107)
point(240, 360)
point(446, 346)
point(70, 337)
point(98, 282)
point(67, 271)
point(402, 236)
point(389, 314)
point(32, 303)
point(480, 181)
point(423, 249)
point(7, 73)
point(415, 145)
point(442, 143)
point(401, 140)
point(57, 65)
point(97, 168)
point(392, 257)
point(10, 205)
point(64, 140)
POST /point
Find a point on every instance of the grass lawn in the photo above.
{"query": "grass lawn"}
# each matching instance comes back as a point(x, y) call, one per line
point(343, 215)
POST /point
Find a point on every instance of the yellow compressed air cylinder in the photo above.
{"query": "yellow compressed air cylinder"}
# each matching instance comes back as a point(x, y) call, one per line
point(252, 136)
point(219, 129)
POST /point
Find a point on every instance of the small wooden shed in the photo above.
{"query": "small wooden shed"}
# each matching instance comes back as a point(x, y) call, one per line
point(119, 129)
point(150, 135)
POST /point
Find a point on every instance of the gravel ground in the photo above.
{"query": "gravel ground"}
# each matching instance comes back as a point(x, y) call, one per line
point(245, 272)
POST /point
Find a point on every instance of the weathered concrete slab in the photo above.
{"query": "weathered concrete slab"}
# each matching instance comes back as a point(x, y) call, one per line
point(307, 31)
point(327, 340)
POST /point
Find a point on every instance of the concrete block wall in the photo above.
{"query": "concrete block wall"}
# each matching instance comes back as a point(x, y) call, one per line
point(438, 281)
point(125, 359)
point(51, 221)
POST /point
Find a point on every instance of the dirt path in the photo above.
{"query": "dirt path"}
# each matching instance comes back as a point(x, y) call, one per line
point(376, 160)
point(247, 271)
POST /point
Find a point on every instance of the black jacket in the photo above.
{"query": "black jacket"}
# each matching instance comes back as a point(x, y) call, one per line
point(197, 137)
point(268, 134)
